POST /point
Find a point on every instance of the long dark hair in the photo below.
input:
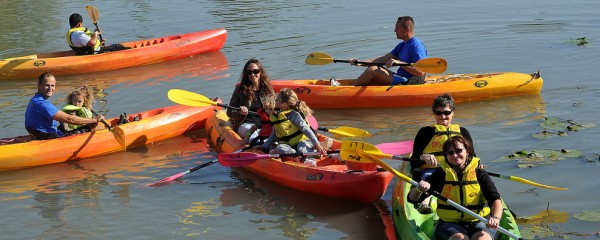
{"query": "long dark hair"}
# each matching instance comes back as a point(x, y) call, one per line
point(264, 81)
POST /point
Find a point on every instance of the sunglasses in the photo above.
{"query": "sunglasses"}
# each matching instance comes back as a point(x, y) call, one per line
point(440, 113)
point(253, 71)
point(457, 151)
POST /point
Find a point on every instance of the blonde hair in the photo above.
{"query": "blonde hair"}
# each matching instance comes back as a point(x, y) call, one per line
point(268, 101)
point(289, 97)
point(83, 91)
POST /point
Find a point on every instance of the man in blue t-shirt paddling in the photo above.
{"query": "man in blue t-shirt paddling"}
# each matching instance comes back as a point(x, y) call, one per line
point(410, 50)
point(42, 117)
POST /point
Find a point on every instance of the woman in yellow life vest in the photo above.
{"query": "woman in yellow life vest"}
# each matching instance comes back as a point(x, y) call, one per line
point(79, 103)
point(461, 180)
point(290, 128)
point(428, 142)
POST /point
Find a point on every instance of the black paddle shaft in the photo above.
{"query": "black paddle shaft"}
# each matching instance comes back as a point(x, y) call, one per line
point(371, 63)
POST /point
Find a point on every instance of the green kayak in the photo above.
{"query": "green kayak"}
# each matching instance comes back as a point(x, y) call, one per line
point(410, 224)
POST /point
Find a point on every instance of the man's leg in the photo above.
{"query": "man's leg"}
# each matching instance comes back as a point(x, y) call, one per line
point(375, 76)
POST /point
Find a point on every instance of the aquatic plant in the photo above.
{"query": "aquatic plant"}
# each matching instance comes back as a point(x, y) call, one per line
point(537, 157)
point(581, 42)
point(555, 126)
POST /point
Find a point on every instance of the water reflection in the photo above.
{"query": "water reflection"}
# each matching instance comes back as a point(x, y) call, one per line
point(299, 215)
point(405, 122)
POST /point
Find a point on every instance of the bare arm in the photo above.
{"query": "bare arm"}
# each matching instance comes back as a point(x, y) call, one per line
point(75, 120)
point(496, 214)
point(93, 39)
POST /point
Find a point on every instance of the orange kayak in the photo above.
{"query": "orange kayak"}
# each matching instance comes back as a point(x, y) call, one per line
point(462, 87)
point(141, 53)
point(154, 125)
point(362, 182)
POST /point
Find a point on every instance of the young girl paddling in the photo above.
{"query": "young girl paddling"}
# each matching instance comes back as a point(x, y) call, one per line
point(290, 128)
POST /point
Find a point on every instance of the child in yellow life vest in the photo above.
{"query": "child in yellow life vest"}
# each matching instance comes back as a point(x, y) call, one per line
point(290, 128)
point(79, 103)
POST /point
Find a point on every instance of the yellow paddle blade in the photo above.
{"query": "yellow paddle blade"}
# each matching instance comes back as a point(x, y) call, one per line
point(522, 180)
point(119, 135)
point(188, 98)
point(318, 58)
point(348, 151)
point(344, 131)
point(93, 12)
point(431, 65)
point(368, 157)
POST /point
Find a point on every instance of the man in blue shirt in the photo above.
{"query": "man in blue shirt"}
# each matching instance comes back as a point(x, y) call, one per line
point(41, 115)
point(410, 50)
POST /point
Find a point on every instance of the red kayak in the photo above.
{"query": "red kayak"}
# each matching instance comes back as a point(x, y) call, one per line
point(362, 182)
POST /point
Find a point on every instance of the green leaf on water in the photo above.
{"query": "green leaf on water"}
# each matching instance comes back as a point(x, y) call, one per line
point(553, 123)
point(588, 216)
point(545, 216)
point(554, 126)
point(581, 42)
point(537, 157)
point(537, 232)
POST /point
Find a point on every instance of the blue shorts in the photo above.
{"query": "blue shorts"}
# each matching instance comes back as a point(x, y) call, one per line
point(399, 79)
point(444, 230)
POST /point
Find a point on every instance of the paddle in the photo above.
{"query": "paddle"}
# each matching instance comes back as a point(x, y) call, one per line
point(193, 99)
point(176, 176)
point(95, 16)
point(344, 131)
point(366, 156)
point(117, 131)
point(428, 65)
point(241, 159)
point(349, 147)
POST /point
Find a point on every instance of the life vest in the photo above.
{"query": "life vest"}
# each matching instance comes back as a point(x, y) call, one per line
point(286, 132)
point(266, 126)
point(85, 50)
point(466, 192)
point(440, 135)
point(81, 112)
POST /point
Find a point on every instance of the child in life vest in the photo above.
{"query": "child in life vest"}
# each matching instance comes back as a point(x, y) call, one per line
point(290, 128)
point(79, 103)
point(256, 136)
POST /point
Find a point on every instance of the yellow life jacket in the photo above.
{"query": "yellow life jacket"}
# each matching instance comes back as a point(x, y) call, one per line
point(82, 112)
point(440, 135)
point(466, 192)
point(85, 50)
point(286, 132)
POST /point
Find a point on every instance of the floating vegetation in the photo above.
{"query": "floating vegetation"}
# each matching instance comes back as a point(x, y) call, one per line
point(581, 42)
point(546, 216)
point(554, 126)
point(588, 216)
point(539, 225)
point(593, 157)
point(537, 157)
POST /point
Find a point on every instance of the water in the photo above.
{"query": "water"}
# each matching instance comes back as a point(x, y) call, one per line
point(104, 197)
